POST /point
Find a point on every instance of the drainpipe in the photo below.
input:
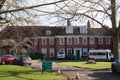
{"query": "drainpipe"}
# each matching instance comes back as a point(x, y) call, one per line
point(88, 43)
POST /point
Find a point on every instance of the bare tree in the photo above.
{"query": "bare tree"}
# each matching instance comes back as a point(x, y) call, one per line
point(99, 11)
point(17, 12)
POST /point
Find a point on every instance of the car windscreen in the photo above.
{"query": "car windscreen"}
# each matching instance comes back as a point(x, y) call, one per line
point(118, 60)
point(22, 57)
point(8, 57)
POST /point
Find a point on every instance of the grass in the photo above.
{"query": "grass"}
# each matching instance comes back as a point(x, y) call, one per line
point(98, 65)
point(12, 72)
point(36, 60)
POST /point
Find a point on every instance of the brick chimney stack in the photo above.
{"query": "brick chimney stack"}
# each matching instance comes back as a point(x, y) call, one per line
point(68, 22)
point(88, 24)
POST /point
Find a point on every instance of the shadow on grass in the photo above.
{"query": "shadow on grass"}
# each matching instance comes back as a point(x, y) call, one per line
point(19, 74)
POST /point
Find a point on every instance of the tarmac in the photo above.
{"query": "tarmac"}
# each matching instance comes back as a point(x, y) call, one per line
point(69, 72)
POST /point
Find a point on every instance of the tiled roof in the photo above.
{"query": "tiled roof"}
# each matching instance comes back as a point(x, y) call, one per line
point(99, 32)
point(37, 31)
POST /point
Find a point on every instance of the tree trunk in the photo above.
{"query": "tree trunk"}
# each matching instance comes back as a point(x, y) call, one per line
point(114, 28)
point(115, 45)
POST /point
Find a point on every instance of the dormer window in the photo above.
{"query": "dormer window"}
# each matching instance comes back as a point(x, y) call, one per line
point(48, 32)
point(69, 29)
point(83, 29)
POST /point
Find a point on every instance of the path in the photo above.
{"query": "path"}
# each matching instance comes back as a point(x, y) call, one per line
point(85, 74)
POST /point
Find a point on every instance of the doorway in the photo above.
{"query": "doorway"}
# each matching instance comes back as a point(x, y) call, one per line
point(77, 53)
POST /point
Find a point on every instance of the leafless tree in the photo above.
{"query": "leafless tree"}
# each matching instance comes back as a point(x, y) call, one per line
point(17, 12)
point(99, 11)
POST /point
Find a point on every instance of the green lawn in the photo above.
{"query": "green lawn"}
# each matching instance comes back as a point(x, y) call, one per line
point(11, 72)
point(36, 60)
point(98, 65)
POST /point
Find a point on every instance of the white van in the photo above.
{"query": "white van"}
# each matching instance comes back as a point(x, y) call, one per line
point(60, 55)
point(101, 54)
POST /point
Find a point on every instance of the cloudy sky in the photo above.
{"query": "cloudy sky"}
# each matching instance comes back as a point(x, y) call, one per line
point(45, 20)
point(52, 20)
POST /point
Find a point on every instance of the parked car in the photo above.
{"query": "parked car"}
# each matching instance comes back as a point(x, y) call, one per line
point(115, 67)
point(71, 57)
point(22, 60)
point(7, 59)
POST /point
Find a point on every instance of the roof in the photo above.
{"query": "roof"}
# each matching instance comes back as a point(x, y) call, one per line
point(37, 31)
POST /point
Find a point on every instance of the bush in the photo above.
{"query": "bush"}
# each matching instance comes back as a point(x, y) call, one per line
point(35, 55)
point(91, 62)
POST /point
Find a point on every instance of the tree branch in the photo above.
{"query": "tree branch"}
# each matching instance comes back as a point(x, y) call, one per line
point(22, 8)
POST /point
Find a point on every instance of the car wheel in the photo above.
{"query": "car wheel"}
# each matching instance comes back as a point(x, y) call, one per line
point(114, 69)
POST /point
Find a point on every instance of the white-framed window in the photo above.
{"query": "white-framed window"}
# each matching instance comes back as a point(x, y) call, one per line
point(69, 29)
point(43, 41)
point(62, 41)
point(69, 51)
point(84, 40)
point(85, 50)
point(62, 49)
point(48, 32)
point(91, 40)
point(51, 52)
point(35, 41)
point(69, 40)
point(100, 40)
point(83, 29)
point(76, 40)
point(91, 48)
point(51, 41)
point(44, 51)
point(108, 40)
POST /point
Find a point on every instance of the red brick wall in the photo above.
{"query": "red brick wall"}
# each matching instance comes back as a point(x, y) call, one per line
point(57, 45)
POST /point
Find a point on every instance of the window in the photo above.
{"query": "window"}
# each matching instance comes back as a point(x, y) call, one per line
point(69, 40)
point(62, 41)
point(35, 41)
point(62, 50)
point(69, 51)
point(84, 52)
point(107, 40)
point(100, 40)
point(83, 29)
point(91, 39)
point(91, 49)
point(44, 50)
point(51, 41)
point(43, 41)
point(76, 40)
point(51, 52)
point(69, 29)
point(48, 32)
point(84, 40)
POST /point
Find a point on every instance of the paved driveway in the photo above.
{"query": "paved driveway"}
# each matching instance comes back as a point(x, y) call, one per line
point(85, 74)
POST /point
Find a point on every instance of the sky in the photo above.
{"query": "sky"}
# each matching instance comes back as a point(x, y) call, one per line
point(51, 21)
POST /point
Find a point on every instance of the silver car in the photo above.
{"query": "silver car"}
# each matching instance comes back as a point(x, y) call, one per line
point(115, 67)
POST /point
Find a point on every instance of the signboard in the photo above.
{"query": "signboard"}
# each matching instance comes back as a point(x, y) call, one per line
point(46, 66)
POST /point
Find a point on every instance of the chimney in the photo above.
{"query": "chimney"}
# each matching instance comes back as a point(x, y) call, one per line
point(88, 24)
point(68, 22)
point(69, 28)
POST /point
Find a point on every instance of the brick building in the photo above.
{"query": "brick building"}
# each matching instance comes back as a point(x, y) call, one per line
point(72, 40)
point(77, 40)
